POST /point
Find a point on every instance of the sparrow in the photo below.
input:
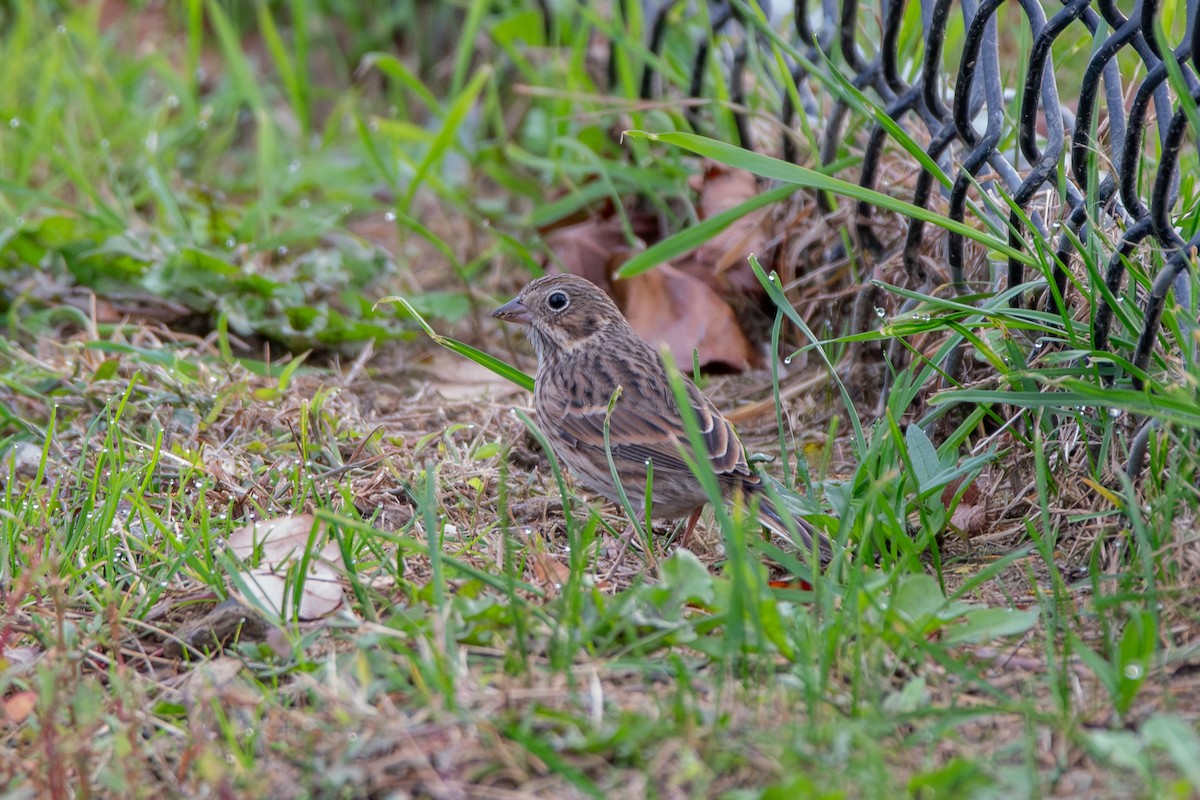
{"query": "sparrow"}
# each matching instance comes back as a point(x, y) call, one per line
point(586, 352)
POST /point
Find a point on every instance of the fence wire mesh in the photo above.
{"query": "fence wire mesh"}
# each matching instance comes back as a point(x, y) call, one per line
point(1077, 171)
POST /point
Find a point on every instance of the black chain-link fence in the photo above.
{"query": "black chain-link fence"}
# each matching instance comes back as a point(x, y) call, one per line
point(1084, 150)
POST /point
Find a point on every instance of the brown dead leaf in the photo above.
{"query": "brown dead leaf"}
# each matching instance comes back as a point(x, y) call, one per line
point(970, 516)
point(271, 547)
point(21, 656)
point(456, 378)
point(666, 306)
point(18, 706)
point(971, 495)
point(970, 519)
point(721, 262)
point(549, 574)
point(592, 249)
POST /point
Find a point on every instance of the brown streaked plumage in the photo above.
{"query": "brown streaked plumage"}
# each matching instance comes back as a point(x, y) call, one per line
point(586, 349)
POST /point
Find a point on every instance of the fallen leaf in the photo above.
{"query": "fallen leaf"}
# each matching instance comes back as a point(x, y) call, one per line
point(666, 306)
point(971, 520)
point(21, 656)
point(971, 494)
point(794, 583)
point(549, 574)
point(457, 378)
point(723, 261)
point(272, 547)
point(592, 249)
point(18, 706)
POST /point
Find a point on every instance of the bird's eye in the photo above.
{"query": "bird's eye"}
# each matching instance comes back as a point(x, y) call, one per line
point(558, 301)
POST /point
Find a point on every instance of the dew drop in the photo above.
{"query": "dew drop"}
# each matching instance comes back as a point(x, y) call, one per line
point(172, 101)
point(1132, 671)
point(390, 216)
point(231, 243)
point(304, 203)
point(1114, 413)
point(14, 123)
point(282, 250)
point(62, 30)
point(787, 360)
point(879, 312)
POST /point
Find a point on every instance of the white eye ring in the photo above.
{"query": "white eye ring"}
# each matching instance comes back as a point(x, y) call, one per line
point(558, 300)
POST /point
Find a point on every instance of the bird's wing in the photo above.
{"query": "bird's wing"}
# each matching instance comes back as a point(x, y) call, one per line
point(641, 431)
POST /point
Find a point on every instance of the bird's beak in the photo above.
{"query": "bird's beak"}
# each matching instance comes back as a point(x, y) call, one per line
point(514, 311)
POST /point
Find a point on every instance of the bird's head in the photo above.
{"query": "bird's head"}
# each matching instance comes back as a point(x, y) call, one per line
point(563, 312)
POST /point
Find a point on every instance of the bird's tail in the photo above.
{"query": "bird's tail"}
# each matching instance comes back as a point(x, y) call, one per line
point(808, 537)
